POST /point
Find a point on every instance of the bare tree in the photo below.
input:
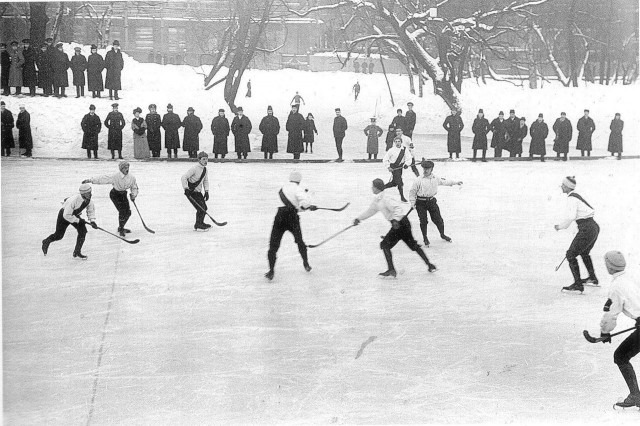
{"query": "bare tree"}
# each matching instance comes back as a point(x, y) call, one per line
point(38, 22)
point(100, 21)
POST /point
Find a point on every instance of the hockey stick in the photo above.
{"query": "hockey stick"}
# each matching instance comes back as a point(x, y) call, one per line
point(558, 267)
point(330, 238)
point(205, 212)
point(334, 210)
point(136, 241)
point(142, 220)
point(592, 339)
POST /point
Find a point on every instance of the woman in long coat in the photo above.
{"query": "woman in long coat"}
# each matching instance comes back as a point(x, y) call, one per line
point(220, 129)
point(23, 123)
point(309, 130)
point(192, 127)
point(453, 125)
point(615, 138)
point(154, 123)
point(91, 126)
point(539, 132)
point(373, 132)
point(95, 65)
point(241, 127)
point(78, 66)
point(295, 126)
point(171, 123)
point(60, 65)
point(115, 123)
point(480, 128)
point(139, 127)
point(269, 127)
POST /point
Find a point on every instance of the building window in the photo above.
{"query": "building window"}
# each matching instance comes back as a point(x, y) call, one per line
point(144, 38)
point(176, 39)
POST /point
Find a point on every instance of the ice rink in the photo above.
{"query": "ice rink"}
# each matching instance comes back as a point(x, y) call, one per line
point(183, 328)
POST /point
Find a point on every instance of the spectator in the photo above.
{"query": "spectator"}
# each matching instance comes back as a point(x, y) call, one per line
point(241, 127)
point(480, 128)
point(295, 126)
point(45, 71)
point(140, 143)
point(220, 129)
point(453, 125)
point(78, 66)
point(339, 131)
point(269, 127)
point(192, 127)
point(60, 65)
point(563, 130)
point(539, 132)
point(91, 126)
point(373, 132)
point(95, 65)
point(498, 127)
point(7, 130)
point(615, 138)
point(309, 130)
point(171, 123)
point(29, 73)
point(23, 123)
point(15, 72)
point(115, 123)
point(5, 67)
point(114, 63)
point(154, 137)
point(585, 127)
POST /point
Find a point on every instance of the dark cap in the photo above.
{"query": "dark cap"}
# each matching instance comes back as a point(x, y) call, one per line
point(138, 109)
point(77, 49)
point(337, 109)
point(152, 106)
point(48, 39)
point(59, 44)
point(523, 119)
point(114, 105)
point(2, 103)
point(617, 114)
point(240, 109)
point(540, 115)
point(116, 43)
point(378, 184)
point(221, 110)
point(26, 40)
point(512, 111)
point(501, 113)
point(190, 109)
point(92, 107)
point(269, 108)
point(398, 110)
point(586, 110)
point(563, 113)
point(14, 43)
point(93, 46)
point(426, 164)
point(480, 111)
point(409, 103)
point(169, 106)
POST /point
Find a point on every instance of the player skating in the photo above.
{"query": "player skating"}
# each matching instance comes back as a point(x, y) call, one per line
point(194, 182)
point(579, 210)
point(121, 181)
point(294, 198)
point(395, 160)
point(422, 196)
point(69, 214)
point(400, 227)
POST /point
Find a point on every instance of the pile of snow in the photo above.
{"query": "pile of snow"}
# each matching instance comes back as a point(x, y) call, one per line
point(57, 133)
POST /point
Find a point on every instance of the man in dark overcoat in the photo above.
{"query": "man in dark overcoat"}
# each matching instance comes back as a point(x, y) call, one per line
point(585, 127)
point(29, 73)
point(91, 126)
point(339, 131)
point(45, 71)
point(220, 129)
point(192, 127)
point(95, 65)
point(453, 125)
point(5, 66)
point(295, 127)
point(564, 131)
point(78, 66)
point(115, 123)
point(480, 128)
point(241, 127)
point(171, 123)
point(6, 118)
point(23, 123)
point(269, 127)
point(154, 137)
point(114, 63)
point(539, 132)
point(60, 65)
point(498, 128)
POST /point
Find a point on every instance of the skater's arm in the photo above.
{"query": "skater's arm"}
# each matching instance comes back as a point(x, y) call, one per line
point(134, 188)
point(91, 212)
point(612, 309)
point(101, 180)
point(448, 182)
point(570, 214)
point(413, 192)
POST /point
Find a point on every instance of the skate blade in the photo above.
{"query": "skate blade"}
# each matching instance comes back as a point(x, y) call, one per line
point(576, 292)
point(617, 407)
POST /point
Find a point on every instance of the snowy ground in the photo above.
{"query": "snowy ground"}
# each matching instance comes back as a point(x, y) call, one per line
point(183, 328)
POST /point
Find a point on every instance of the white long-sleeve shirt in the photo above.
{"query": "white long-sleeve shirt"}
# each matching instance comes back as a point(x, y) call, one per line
point(624, 296)
point(192, 175)
point(427, 186)
point(297, 195)
point(406, 143)
point(120, 182)
point(391, 156)
point(390, 208)
point(575, 210)
point(74, 202)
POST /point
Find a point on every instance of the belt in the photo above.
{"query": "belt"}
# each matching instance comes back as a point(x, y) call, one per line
point(585, 220)
point(120, 192)
point(426, 198)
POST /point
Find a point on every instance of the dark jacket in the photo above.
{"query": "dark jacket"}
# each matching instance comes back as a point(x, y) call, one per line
point(373, 132)
point(241, 127)
point(453, 125)
point(114, 64)
point(29, 73)
point(339, 126)
point(45, 71)
point(564, 131)
point(511, 127)
point(391, 135)
point(154, 137)
point(399, 122)
point(539, 132)
point(515, 143)
point(499, 133)
point(309, 130)
point(115, 123)
point(60, 65)
point(480, 128)
point(5, 66)
point(91, 126)
point(23, 123)
point(410, 123)
point(78, 66)
point(295, 127)
point(269, 127)
point(95, 65)
point(192, 127)
point(585, 127)
point(220, 129)
point(615, 138)
point(171, 123)
point(7, 129)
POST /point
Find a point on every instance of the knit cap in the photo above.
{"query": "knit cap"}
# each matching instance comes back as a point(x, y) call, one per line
point(378, 184)
point(615, 260)
point(85, 188)
point(569, 182)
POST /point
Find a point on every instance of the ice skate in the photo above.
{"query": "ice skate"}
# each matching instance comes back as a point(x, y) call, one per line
point(446, 238)
point(45, 246)
point(269, 275)
point(590, 281)
point(79, 255)
point(388, 273)
point(629, 402)
point(574, 287)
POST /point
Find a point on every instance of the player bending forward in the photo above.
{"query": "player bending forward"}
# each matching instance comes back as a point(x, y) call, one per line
point(400, 227)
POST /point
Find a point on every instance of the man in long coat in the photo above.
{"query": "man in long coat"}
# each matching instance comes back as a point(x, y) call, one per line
point(91, 126)
point(498, 127)
point(114, 63)
point(269, 127)
point(15, 72)
point(60, 65)
point(192, 127)
point(241, 127)
point(409, 120)
point(23, 123)
point(6, 118)
point(585, 127)
point(539, 132)
point(115, 123)
point(373, 132)
point(5, 66)
point(564, 131)
point(95, 65)
point(29, 73)
point(78, 66)
point(154, 137)
point(171, 123)
point(45, 71)
point(220, 129)
point(453, 125)
point(295, 127)
point(480, 128)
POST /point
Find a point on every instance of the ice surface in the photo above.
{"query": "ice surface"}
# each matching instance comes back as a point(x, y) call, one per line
point(182, 328)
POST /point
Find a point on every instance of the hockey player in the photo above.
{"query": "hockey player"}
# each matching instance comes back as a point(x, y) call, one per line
point(422, 196)
point(121, 181)
point(395, 160)
point(624, 296)
point(193, 182)
point(408, 144)
point(582, 212)
point(69, 214)
point(400, 227)
point(294, 199)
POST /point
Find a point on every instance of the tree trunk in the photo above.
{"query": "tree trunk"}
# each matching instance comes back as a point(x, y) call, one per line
point(38, 22)
point(573, 65)
point(56, 24)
